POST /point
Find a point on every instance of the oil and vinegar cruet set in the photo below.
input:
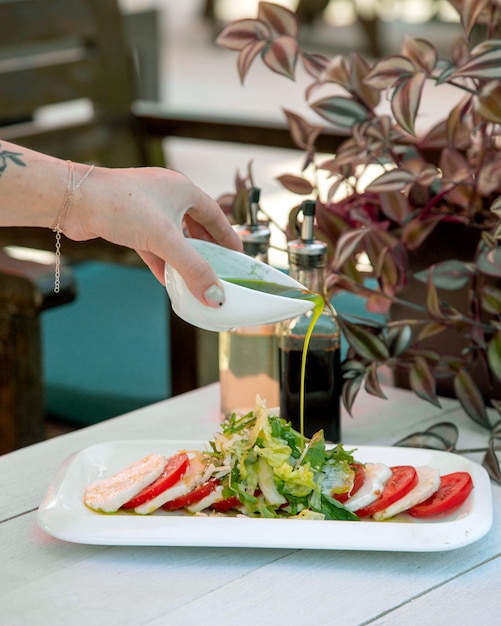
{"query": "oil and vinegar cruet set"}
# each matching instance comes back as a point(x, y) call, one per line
point(278, 334)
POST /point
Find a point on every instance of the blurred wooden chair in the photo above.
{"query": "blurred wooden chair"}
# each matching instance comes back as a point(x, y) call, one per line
point(74, 56)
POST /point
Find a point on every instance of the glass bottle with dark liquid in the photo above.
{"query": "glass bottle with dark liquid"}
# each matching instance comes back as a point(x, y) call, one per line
point(248, 356)
point(322, 381)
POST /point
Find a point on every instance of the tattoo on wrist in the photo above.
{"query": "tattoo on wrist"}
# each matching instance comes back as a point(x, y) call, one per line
point(6, 156)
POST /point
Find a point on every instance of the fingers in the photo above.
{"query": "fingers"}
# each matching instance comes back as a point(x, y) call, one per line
point(206, 220)
point(155, 264)
point(198, 275)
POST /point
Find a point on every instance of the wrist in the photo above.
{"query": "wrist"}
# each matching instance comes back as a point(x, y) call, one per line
point(78, 210)
point(74, 182)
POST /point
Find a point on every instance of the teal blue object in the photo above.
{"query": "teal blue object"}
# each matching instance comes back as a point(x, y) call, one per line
point(107, 352)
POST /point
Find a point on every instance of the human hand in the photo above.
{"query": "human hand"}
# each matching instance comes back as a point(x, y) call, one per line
point(145, 209)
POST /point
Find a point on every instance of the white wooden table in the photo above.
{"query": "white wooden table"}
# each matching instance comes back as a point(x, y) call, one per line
point(45, 581)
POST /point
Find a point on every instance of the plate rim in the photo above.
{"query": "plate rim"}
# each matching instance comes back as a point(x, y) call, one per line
point(64, 516)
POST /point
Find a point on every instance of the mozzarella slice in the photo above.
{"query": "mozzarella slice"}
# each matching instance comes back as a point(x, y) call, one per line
point(191, 479)
point(179, 489)
point(109, 494)
point(376, 475)
point(204, 503)
point(428, 483)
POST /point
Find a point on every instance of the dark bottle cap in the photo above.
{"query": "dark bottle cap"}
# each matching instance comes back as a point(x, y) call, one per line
point(307, 252)
point(255, 236)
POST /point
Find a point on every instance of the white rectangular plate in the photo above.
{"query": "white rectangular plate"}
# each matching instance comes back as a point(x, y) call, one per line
point(64, 515)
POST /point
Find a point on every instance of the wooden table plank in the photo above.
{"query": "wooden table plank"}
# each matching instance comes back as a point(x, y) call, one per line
point(472, 598)
point(339, 588)
point(52, 582)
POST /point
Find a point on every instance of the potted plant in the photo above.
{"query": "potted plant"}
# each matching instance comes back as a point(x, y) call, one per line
point(431, 186)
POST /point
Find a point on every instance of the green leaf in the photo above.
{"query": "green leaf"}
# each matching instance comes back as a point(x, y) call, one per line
point(364, 342)
point(352, 368)
point(496, 206)
point(340, 111)
point(428, 175)
point(350, 391)
point(485, 65)
point(486, 45)
point(346, 246)
point(470, 398)
point(281, 19)
point(314, 64)
point(430, 330)
point(393, 180)
point(334, 510)
point(494, 355)
point(432, 300)
point(417, 230)
point(422, 381)
point(489, 177)
point(240, 205)
point(395, 205)
point(488, 102)
point(406, 99)
point(491, 299)
point(281, 56)
point(358, 71)
point(247, 56)
point(386, 72)
point(431, 357)
point(490, 461)
point(455, 122)
point(445, 74)
point(337, 72)
point(450, 275)
point(489, 260)
point(372, 383)
point(399, 339)
point(296, 184)
point(470, 12)
point(239, 34)
point(302, 132)
point(422, 53)
point(386, 253)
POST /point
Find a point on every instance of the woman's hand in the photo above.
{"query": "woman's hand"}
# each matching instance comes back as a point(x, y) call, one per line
point(141, 208)
point(146, 209)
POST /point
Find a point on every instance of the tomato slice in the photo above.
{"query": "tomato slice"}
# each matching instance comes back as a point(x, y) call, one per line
point(226, 505)
point(174, 469)
point(358, 481)
point(197, 494)
point(453, 491)
point(402, 480)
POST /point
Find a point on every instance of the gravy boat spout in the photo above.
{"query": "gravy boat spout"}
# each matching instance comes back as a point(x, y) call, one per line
point(243, 306)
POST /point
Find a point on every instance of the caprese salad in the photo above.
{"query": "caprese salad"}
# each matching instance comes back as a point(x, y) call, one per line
point(258, 466)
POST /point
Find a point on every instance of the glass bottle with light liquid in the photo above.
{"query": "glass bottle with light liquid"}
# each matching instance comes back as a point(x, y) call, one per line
point(248, 356)
point(322, 374)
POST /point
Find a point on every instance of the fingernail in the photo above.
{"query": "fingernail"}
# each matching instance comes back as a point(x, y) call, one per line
point(214, 295)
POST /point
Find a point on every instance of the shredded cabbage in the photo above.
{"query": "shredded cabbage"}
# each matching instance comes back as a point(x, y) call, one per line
point(275, 472)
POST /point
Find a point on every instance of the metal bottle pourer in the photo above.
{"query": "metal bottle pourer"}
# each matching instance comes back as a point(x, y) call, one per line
point(307, 252)
point(255, 236)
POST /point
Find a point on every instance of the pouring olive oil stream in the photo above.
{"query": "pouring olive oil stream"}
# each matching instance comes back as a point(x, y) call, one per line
point(288, 292)
point(308, 344)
